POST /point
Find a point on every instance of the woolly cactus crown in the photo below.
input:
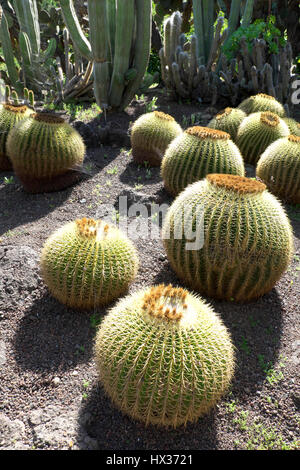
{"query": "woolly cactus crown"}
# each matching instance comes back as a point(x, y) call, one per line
point(246, 237)
point(197, 152)
point(164, 356)
point(228, 120)
point(150, 136)
point(87, 263)
point(262, 102)
point(257, 132)
point(279, 168)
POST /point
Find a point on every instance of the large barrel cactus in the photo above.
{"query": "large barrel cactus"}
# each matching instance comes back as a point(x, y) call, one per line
point(10, 115)
point(46, 152)
point(151, 134)
point(293, 126)
point(227, 237)
point(228, 120)
point(164, 356)
point(260, 103)
point(279, 168)
point(197, 152)
point(87, 263)
point(257, 132)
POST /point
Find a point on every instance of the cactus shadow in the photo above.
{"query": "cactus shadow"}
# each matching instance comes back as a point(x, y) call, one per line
point(53, 338)
point(112, 430)
point(135, 173)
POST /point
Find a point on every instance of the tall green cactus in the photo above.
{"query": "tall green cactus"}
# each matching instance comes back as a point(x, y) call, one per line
point(119, 45)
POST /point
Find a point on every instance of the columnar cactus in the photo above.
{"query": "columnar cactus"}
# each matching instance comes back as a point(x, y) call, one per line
point(197, 152)
point(164, 356)
point(10, 115)
point(150, 136)
point(46, 152)
point(279, 168)
point(293, 126)
point(257, 132)
point(228, 120)
point(262, 102)
point(227, 237)
point(87, 263)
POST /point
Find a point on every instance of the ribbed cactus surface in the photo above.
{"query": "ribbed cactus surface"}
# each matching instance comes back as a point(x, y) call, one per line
point(293, 126)
point(241, 238)
point(46, 152)
point(260, 103)
point(164, 356)
point(10, 115)
point(279, 168)
point(197, 152)
point(87, 263)
point(150, 136)
point(257, 132)
point(228, 120)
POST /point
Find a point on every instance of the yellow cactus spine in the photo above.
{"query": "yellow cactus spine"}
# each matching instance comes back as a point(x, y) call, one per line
point(228, 121)
point(260, 103)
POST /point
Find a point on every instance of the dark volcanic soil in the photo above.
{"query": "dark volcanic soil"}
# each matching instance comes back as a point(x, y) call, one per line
point(49, 392)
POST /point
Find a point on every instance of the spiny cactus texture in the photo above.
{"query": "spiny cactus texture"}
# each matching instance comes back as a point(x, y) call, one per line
point(293, 125)
point(87, 263)
point(257, 132)
point(262, 102)
point(164, 356)
point(197, 152)
point(228, 120)
point(150, 136)
point(10, 115)
point(227, 237)
point(279, 168)
point(46, 152)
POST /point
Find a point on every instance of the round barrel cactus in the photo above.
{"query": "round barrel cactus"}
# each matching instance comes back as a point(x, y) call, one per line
point(10, 115)
point(228, 238)
point(228, 121)
point(293, 125)
point(197, 152)
point(164, 356)
point(46, 152)
point(150, 136)
point(257, 132)
point(260, 103)
point(87, 263)
point(279, 168)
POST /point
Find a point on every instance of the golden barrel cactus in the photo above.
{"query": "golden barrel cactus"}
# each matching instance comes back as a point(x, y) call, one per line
point(293, 126)
point(228, 120)
point(260, 103)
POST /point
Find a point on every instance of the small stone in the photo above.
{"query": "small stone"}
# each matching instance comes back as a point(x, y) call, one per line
point(56, 381)
point(82, 201)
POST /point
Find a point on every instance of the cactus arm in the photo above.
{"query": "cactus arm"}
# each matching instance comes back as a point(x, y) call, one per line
point(27, 14)
point(111, 15)
point(247, 16)
point(198, 23)
point(73, 25)
point(142, 47)
point(125, 19)
point(208, 26)
point(8, 51)
point(26, 53)
point(234, 16)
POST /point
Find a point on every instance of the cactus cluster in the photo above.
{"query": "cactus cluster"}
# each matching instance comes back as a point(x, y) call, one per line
point(279, 168)
point(197, 152)
point(257, 131)
point(228, 120)
point(46, 152)
point(87, 263)
point(242, 238)
point(164, 356)
point(151, 134)
point(260, 103)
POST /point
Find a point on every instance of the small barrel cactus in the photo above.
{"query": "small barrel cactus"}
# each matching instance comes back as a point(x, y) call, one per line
point(293, 126)
point(164, 356)
point(279, 168)
point(87, 263)
point(197, 152)
point(10, 115)
point(260, 103)
point(227, 237)
point(228, 121)
point(257, 132)
point(150, 136)
point(46, 152)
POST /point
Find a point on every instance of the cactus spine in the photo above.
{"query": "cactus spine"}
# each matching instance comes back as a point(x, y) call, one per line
point(164, 356)
point(257, 131)
point(87, 263)
point(279, 168)
point(197, 152)
point(46, 152)
point(262, 102)
point(228, 120)
point(293, 126)
point(243, 238)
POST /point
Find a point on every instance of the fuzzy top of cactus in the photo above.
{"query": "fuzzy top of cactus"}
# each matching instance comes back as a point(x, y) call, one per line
point(163, 367)
point(88, 262)
point(224, 113)
point(17, 109)
point(294, 138)
point(207, 133)
point(239, 184)
point(270, 119)
point(163, 116)
point(48, 118)
point(262, 102)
